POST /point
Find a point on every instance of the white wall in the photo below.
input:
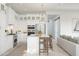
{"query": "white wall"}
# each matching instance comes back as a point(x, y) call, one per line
point(51, 27)
point(57, 28)
point(67, 24)
point(66, 21)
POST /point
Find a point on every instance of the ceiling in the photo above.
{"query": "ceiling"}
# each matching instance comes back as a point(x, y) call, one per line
point(23, 8)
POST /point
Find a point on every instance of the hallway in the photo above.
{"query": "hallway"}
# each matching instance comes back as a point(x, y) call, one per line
point(20, 50)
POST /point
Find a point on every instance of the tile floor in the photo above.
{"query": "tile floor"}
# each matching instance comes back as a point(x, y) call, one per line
point(21, 49)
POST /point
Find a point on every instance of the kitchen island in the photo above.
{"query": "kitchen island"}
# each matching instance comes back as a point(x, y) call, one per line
point(33, 44)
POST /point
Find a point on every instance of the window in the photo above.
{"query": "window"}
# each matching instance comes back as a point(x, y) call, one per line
point(2, 7)
point(29, 17)
point(38, 18)
point(42, 18)
point(33, 18)
point(25, 18)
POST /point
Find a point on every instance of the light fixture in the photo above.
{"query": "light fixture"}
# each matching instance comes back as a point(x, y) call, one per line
point(43, 11)
point(42, 8)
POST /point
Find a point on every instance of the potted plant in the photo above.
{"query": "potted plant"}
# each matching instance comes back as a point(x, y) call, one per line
point(39, 33)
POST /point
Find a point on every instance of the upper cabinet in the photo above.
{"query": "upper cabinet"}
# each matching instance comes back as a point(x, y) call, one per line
point(33, 17)
point(1, 7)
point(2, 15)
point(11, 15)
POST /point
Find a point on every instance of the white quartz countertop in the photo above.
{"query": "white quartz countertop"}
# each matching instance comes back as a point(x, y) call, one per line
point(43, 35)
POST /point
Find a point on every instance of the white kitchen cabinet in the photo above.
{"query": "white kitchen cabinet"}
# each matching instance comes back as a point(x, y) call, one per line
point(6, 43)
point(11, 16)
point(32, 45)
point(21, 37)
point(2, 28)
point(10, 41)
point(7, 16)
point(3, 39)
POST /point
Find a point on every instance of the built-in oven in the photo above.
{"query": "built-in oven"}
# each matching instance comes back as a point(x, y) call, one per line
point(31, 29)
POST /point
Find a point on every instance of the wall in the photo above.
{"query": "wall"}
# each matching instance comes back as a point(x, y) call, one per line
point(51, 27)
point(67, 24)
point(57, 28)
point(66, 21)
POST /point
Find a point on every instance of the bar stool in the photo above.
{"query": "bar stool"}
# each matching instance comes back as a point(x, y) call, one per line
point(50, 43)
point(44, 42)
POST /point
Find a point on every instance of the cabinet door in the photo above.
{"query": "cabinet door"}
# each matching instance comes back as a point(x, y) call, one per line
point(42, 28)
point(2, 32)
point(33, 45)
point(0, 46)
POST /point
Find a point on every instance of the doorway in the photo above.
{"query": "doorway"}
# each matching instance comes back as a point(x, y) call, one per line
point(54, 25)
point(57, 27)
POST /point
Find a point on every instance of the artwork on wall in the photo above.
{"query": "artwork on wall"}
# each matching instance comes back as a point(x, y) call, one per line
point(29, 17)
point(38, 18)
point(75, 24)
point(33, 18)
point(25, 18)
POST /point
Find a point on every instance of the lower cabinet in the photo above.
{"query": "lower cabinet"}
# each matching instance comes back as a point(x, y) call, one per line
point(32, 45)
point(6, 44)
